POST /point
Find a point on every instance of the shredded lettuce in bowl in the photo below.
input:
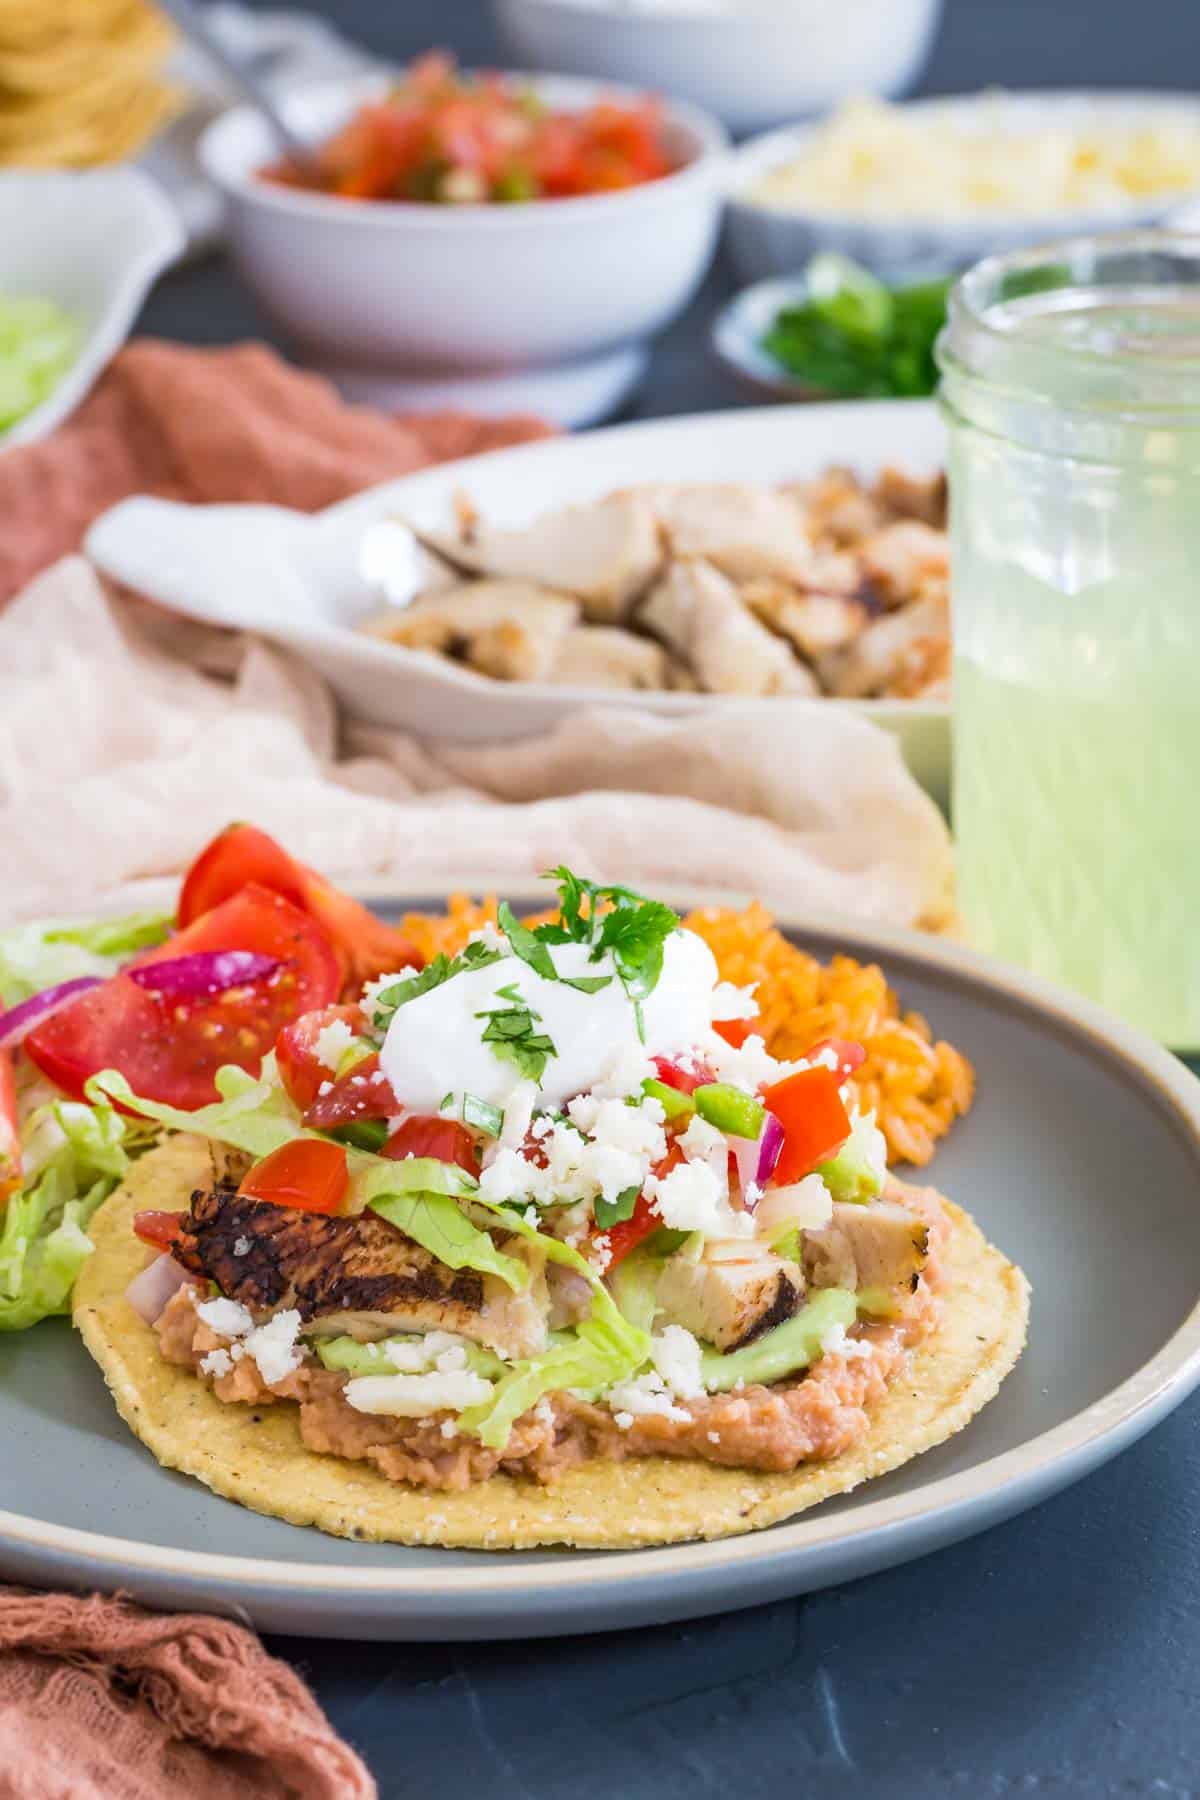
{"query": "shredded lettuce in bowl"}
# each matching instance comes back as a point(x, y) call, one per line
point(38, 344)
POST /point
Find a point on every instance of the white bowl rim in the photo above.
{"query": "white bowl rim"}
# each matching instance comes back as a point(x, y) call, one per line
point(706, 131)
point(755, 12)
point(763, 152)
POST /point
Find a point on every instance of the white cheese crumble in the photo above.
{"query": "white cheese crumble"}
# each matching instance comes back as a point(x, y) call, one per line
point(730, 1002)
point(416, 1396)
point(217, 1362)
point(274, 1348)
point(676, 1353)
point(643, 1396)
point(689, 1197)
point(228, 1318)
point(242, 1246)
point(614, 1148)
point(836, 1343)
point(416, 1355)
point(749, 1066)
point(332, 1042)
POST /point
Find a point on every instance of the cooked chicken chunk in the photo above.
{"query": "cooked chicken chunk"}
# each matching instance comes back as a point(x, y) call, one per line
point(839, 507)
point(605, 554)
point(699, 613)
point(608, 656)
point(880, 1245)
point(879, 656)
point(507, 629)
point(356, 1275)
point(733, 1300)
point(815, 623)
point(743, 531)
point(913, 496)
point(903, 559)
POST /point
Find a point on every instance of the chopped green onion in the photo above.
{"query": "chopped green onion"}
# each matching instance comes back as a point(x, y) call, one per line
point(674, 1104)
point(482, 1116)
point(364, 1134)
point(731, 1111)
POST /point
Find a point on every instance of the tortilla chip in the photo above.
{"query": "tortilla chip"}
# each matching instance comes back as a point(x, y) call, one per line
point(255, 1454)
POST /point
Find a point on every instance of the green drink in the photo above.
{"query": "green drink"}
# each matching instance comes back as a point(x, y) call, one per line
point(1071, 379)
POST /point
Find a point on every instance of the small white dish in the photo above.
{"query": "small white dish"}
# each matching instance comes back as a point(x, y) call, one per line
point(767, 240)
point(94, 243)
point(754, 63)
point(497, 308)
point(299, 579)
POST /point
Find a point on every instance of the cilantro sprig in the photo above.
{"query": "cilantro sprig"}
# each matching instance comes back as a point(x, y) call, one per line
point(613, 921)
point(389, 1000)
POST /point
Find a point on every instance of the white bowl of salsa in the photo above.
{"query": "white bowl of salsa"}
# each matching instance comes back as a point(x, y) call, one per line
point(537, 304)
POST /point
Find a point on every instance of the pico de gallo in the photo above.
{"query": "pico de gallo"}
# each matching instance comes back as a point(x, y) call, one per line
point(450, 138)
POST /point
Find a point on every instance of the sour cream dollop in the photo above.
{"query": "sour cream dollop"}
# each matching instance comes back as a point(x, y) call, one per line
point(434, 1045)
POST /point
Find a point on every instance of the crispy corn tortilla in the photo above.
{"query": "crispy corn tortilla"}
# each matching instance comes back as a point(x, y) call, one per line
point(255, 1454)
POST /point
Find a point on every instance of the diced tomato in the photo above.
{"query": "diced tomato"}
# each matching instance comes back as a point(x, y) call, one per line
point(850, 1056)
point(735, 1031)
point(170, 1049)
point(626, 1236)
point(241, 854)
point(300, 1068)
point(158, 1228)
point(310, 1174)
point(364, 1092)
point(10, 1135)
point(685, 1080)
point(815, 1122)
point(428, 1135)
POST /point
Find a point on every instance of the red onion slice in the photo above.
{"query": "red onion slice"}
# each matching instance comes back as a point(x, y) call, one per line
point(770, 1144)
point(18, 1021)
point(203, 972)
point(149, 1292)
point(756, 1159)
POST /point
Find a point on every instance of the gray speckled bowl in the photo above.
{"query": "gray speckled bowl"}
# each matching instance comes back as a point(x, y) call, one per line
point(1081, 1158)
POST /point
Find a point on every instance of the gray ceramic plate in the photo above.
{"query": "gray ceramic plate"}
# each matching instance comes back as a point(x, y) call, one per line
point(1081, 1159)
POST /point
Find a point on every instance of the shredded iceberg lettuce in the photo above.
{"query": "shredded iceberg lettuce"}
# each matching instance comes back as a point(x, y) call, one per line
point(37, 956)
point(74, 1156)
point(253, 1114)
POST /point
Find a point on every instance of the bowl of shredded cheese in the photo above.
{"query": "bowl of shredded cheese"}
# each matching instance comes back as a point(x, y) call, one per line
point(949, 181)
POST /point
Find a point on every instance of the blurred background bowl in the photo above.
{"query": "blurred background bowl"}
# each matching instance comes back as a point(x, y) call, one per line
point(543, 306)
point(755, 65)
point(766, 239)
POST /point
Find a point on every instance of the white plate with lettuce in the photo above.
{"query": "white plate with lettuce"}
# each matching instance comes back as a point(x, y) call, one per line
point(1075, 1113)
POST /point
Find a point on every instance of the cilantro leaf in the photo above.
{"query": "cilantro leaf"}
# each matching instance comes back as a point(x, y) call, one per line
point(511, 1033)
point(586, 984)
point(530, 949)
point(615, 1212)
point(389, 1000)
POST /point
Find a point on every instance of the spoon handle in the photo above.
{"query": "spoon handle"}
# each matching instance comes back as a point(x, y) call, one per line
point(190, 22)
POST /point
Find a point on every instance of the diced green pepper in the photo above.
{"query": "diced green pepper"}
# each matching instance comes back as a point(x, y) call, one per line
point(731, 1111)
point(674, 1104)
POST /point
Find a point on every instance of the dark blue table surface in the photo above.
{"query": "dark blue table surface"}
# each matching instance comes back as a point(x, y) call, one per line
point(1059, 1654)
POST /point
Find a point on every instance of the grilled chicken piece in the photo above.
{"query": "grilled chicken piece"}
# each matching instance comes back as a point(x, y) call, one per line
point(609, 656)
point(839, 507)
point(744, 531)
point(730, 1299)
point(350, 1275)
point(879, 656)
point(699, 613)
point(605, 554)
point(880, 1245)
point(913, 496)
point(509, 629)
point(903, 559)
point(815, 623)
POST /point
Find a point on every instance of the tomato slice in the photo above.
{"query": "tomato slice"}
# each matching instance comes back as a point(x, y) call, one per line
point(170, 1049)
point(364, 1092)
point(815, 1121)
point(735, 1031)
point(300, 1068)
point(159, 1229)
point(10, 1135)
point(850, 1056)
point(685, 1080)
point(428, 1135)
point(310, 1174)
point(243, 854)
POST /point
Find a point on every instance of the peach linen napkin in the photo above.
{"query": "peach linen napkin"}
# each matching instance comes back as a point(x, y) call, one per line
point(129, 736)
point(100, 1699)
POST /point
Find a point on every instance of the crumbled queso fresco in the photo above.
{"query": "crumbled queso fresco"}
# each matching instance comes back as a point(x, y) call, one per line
point(272, 1346)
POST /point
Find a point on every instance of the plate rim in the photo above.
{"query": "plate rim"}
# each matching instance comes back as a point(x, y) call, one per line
point(1021, 1475)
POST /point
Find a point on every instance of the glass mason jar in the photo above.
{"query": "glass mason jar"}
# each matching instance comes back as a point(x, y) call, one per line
point(1071, 385)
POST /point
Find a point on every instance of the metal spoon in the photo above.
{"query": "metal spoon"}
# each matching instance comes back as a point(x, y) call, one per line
point(194, 28)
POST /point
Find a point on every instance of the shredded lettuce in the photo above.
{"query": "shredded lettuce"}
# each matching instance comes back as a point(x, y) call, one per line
point(595, 1356)
point(253, 1114)
point(74, 1157)
point(436, 1222)
point(33, 957)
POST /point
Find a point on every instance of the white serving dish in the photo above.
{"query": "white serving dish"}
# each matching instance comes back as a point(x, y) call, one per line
point(94, 242)
point(546, 306)
point(771, 240)
point(296, 578)
point(755, 65)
